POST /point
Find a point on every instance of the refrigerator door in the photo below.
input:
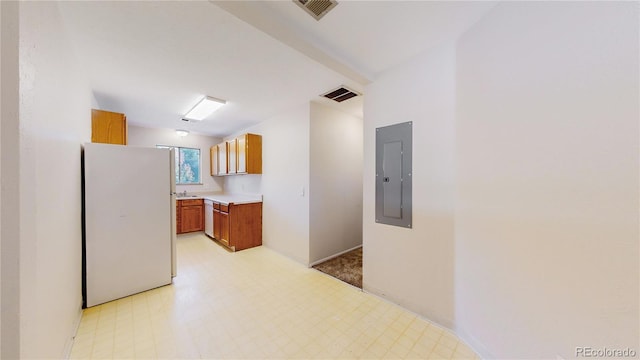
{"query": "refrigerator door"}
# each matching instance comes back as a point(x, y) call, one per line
point(174, 230)
point(128, 245)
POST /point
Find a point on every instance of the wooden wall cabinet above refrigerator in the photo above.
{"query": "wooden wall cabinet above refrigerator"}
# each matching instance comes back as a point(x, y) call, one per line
point(108, 127)
point(242, 155)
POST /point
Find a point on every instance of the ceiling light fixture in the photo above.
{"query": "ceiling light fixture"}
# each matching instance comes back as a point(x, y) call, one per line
point(182, 132)
point(204, 108)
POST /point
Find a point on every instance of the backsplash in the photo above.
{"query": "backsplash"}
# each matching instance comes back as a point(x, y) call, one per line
point(245, 184)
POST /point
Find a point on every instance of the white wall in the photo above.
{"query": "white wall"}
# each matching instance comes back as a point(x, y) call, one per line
point(335, 182)
point(547, 195)
point(9, 192)
point(542, 166)
point(55, 118)
point(414, 267)
point(1, 116)
point(141, 136)
point(284, 182)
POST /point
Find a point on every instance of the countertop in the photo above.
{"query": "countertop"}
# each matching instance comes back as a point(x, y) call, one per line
point(225, 199)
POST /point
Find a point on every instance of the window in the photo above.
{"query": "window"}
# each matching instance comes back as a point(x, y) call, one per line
point(187, 164)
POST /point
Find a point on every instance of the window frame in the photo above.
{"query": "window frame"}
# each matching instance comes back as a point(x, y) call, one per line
point(178, 161)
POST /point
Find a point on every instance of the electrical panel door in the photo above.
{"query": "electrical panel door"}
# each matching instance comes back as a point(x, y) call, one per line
point(393, 174)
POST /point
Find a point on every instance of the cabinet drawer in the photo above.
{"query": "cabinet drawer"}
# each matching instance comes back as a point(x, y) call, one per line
point(191, 202)
point(224, 208)
point(216, 205)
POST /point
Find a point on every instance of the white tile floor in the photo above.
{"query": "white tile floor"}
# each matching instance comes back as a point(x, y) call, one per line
point(256, 304)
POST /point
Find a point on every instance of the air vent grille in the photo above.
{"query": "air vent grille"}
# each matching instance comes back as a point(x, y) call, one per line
point(316, 8)
point(340, 94)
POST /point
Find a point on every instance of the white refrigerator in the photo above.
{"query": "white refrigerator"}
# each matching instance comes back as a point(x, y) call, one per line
point(128, 220)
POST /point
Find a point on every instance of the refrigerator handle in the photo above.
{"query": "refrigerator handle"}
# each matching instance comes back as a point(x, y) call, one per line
point(172, 167)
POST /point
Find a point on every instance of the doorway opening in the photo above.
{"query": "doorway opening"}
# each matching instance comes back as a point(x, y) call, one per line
point(346, 267)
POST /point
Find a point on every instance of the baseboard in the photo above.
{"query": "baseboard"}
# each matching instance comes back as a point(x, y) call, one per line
point(69, 345)
point(450, 326)
point(334, 256)
point(475, 344)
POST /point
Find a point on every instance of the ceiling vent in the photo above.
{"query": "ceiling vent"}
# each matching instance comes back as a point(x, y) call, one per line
point(340, 94)
point(317, 8)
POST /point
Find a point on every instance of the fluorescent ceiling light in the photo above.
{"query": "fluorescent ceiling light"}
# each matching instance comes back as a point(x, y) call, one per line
point(204, 108)
point(182, 132)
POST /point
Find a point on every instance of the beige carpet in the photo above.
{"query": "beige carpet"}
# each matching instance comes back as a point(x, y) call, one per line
point(346, 267)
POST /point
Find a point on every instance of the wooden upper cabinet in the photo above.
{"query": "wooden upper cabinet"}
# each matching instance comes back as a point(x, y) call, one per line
point(213, 160)
point(223, 160)
point(242, 155)
point(108, 127)
point(249, 154)
point(241, 142)
point(231, 148)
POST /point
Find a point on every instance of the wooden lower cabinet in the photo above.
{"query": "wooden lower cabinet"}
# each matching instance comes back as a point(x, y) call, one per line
point(217, 220)
point(192, 218)
point(190, 215)
point(224, 228)
point(178, 218)
point(238, 226)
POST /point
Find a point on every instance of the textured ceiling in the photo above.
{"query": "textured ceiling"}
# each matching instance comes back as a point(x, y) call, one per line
point(154, 60)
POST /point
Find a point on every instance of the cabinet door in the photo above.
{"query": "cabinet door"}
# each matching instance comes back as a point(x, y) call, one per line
point(108, 127)
point(213, 160)
point(241, 143)
point(231, 148)
point(192, 218)
point(224, 228)
point(217, 223)
point(178, 218)
point(249, 154)
point(201, 219)
point(222, 158)
point(245, 225)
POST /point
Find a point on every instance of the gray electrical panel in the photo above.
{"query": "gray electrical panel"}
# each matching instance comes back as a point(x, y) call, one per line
point(393, 175)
